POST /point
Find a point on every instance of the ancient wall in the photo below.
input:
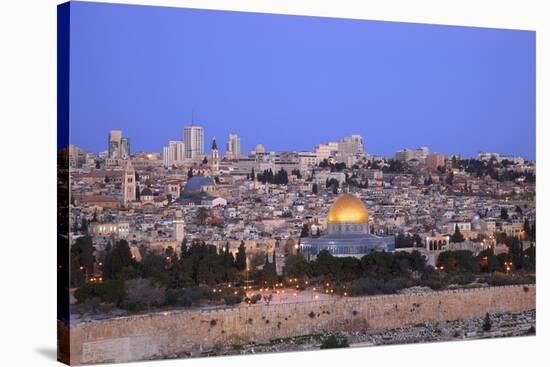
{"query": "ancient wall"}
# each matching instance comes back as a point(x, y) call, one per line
point(164, 334)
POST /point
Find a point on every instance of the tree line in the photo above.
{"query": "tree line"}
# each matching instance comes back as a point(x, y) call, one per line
point(278, 178)
point(195, 273)
point(197, 266)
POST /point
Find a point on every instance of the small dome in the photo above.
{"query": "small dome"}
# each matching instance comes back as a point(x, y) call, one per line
point(348, 209)
point(146, 192)
point(260, 148)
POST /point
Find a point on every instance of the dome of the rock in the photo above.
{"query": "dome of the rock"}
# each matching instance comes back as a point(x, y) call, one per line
point(347, 232)
point(348, 209)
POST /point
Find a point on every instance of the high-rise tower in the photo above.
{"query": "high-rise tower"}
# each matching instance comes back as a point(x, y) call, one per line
point(233, 151)
point(193, 138)
point(118, 147)
point(174, 153)
point(114, 142)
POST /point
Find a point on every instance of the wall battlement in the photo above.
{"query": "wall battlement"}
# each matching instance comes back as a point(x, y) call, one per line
point(162, 334)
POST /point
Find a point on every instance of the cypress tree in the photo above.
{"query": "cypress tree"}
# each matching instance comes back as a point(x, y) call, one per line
point(457, 235)
point(183, 249)
point(527, 228)
point(240, 262)
point(305, 231)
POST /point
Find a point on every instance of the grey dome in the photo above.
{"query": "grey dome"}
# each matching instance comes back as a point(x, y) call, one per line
point(146, 192)
point(194, 184)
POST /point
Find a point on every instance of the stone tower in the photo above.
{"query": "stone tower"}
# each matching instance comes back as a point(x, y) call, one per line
point(129, 184)
point(179, 223)
point(215, 157)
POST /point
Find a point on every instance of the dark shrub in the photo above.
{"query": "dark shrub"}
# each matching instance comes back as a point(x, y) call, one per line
point(459, 261)
point(133, 306)
point(395, 285)
point(185, 297)
point(487, 324)
point(84, 292)
point(435, 284)
point(255, 298)
point(368, 286)
point(461, 279)
point(232, 299)
point(110, 291)
point(432, 278)
point(334, 341)
point(172, 297)
point(364, 286)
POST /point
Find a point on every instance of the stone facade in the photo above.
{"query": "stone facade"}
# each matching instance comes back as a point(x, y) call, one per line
point(178, 332)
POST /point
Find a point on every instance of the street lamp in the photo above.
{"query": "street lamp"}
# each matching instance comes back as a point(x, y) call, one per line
point(508, 266)
point(520, 233)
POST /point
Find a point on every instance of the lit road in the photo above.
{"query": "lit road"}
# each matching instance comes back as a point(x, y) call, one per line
point(287, 295)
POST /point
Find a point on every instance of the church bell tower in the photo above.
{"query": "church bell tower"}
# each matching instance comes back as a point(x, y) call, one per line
point(215, 157)
point(129, 184)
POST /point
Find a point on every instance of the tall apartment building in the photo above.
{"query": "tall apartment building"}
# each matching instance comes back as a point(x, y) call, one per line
point(233, 150)
point(351, 145)
point(77, 157)
point(423, 152)
point(118, 147)
point(166, 156)
point(485, 156)
point(174, 153)
point(406, 155)
point(435, 160)
point(326, 150)
point(125, 148)
point(193, 138)
point(114, 141)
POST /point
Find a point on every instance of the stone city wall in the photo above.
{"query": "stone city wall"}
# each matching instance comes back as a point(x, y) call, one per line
point(164, 334)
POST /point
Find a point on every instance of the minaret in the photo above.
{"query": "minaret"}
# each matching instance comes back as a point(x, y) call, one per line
point(129, 184)
point(215, 158)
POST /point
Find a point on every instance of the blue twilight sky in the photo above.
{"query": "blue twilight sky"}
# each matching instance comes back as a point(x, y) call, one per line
point(290, 82)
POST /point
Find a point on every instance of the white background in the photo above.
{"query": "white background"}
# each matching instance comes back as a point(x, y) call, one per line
point(27, 183)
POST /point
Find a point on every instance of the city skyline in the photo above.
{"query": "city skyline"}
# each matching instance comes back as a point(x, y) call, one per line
point(299, 81)
point(171, 144)
point(292, 230)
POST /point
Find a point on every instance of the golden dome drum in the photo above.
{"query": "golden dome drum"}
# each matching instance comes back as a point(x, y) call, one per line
point(348, 209)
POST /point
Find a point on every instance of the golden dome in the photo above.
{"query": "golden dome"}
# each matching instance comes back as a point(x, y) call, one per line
point(348, 209)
